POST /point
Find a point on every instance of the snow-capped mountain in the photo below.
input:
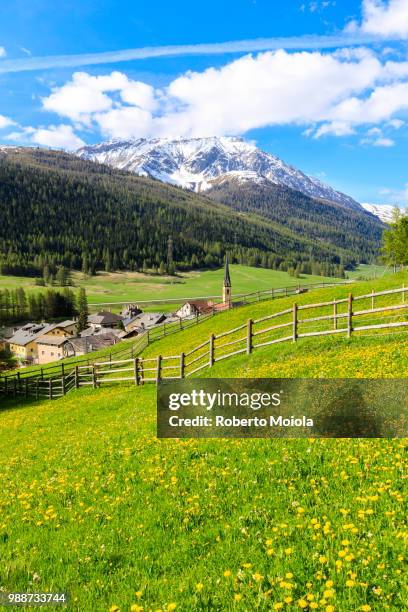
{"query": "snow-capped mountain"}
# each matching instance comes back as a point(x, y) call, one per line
point(385, 212)
point(199, 163)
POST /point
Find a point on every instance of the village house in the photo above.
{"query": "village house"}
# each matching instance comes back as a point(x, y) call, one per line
point(74, 347)
point(23, 343)
point(104, 319)
point(194, 308)
point(65, 329)
point(145, 321)
point(50, 348)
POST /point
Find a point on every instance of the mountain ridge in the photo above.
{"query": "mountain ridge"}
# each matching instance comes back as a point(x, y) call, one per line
point(199, 163)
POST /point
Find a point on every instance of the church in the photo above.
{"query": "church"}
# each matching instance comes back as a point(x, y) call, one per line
point(201, 307)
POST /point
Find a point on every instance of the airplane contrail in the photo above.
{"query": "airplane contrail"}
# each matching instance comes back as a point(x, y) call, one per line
point(27, 64)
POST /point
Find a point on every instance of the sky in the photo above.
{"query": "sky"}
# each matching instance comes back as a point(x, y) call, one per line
point(323, 84)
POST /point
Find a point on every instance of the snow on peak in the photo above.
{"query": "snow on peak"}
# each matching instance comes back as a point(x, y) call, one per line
point(199, 163)
point(385, 212)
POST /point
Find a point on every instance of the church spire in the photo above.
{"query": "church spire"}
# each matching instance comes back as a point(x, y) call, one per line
point(227, 279)
point(226, 288)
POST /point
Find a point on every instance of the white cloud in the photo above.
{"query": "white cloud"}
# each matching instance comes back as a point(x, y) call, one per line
point(385, 18)
point(380, 105)
point(326, 93)
point(336, 128)
point(5, 122)
point(2, 52)
point(383, 142)
point(53, 136)
point(86, 95)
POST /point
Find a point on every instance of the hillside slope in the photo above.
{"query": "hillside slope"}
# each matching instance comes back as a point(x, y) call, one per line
point(95, 504)
point(59, 209)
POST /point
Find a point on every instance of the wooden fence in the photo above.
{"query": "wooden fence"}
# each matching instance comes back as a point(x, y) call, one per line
point(347, 316)
point(131, 349)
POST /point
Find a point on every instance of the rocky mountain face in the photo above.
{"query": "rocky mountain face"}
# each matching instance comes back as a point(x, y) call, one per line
point(200, 163)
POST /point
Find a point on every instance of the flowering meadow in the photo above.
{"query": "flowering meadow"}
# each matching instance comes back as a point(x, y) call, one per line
point(92, 503)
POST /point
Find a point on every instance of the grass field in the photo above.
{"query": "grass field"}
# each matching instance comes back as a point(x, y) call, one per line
point(368, 271)
point(134, 286)
point(93, 503)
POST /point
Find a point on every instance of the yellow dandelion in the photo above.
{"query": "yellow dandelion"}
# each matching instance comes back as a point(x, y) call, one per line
point(172, 606)
point(365, 608)
point(136, 608)
point(227, 573)
point(257, 577)
point(237, 597)
point(302, 603)
point(114, 609)
point(350, 583)
point(199, 586)
point(278, 605)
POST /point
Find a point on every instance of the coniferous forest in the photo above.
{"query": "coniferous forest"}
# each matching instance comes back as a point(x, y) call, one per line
point(61, 212)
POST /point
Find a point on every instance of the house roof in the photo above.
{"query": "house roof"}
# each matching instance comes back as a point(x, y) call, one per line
point(51, 340)
point(200, 305)
point(148, 319)
point(104, 318)
point(130, 320)
point(66, 323)
point(93, 343)
point(30, 332)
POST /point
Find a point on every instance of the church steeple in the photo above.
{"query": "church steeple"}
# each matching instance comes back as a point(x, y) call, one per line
point(226, 288)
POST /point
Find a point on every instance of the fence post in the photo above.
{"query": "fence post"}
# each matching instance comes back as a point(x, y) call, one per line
point(26, 388)
point(94, 376)
point(403, 294)
point(211, 359)
point(15, 388)
point(136, 370)
point(63, 378)
point(334, 314)
point(249, 336)
point(50, 388)
point(295, 323)
point(350, 315)
point(182, 365)
point(158, 373)
point(372, 299)
point(37, 394)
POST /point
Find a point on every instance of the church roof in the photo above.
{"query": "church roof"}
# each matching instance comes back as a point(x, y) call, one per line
point(227, 279)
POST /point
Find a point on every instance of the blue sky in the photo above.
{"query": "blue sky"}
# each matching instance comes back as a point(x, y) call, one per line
point(337, 109)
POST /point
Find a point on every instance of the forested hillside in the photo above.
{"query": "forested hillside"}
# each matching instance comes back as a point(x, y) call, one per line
point(317, 219)
point(59, 210)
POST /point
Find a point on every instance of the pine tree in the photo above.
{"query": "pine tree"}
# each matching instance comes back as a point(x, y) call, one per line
point(83, 311)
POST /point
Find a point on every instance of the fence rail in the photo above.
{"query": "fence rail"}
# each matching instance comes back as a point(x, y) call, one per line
point(333, 317)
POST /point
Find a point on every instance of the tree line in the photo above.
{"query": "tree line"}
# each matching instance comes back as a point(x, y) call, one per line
point(16, 306)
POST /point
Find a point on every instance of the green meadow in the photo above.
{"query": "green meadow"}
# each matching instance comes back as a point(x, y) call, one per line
point(134, 286)
point(92, 503)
